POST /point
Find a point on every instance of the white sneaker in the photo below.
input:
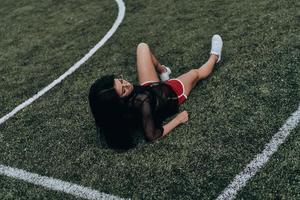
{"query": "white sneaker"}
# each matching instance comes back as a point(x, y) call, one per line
point(216, 46)
point(165, 75)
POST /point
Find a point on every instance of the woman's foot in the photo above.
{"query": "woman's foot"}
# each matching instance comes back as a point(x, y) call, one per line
point(216, 46)
point(166, 74)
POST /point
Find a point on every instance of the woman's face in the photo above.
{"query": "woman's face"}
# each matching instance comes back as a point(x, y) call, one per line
point(123, 87)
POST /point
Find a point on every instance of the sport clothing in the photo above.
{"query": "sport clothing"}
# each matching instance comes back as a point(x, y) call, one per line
point(178, 88)
point(152, 103)
point(176, 85)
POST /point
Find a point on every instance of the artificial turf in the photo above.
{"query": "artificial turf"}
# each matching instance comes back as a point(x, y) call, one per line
point(41, 39)
point(281, 177)
point(15, 189)
point(233, 113)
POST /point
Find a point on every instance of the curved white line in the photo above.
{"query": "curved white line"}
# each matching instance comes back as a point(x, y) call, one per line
point(113, 29)
point(49, 182)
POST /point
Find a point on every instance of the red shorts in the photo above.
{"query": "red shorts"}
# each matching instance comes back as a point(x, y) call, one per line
point(177, 87)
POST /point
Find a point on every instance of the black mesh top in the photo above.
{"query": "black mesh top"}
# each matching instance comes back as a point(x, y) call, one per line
point(153, 104)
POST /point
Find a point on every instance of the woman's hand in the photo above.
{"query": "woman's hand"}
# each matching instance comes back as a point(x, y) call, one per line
point(179, 119)
point(183, 117)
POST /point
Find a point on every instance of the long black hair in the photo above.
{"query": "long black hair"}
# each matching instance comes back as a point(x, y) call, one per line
point(111, 113)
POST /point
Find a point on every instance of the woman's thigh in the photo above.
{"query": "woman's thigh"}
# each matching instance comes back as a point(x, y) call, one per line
point(189, 80)
point(145, 67)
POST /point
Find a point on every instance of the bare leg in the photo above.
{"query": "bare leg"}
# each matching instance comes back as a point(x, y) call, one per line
point(191, 78)
point(147, 64)
point(159, 68)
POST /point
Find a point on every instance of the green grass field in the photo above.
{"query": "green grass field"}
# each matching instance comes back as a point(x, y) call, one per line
point(233, 113)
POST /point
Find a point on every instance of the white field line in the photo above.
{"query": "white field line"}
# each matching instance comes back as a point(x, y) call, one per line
point(48, 182)
point(55, 184)
point(29, 101)
point(261, 159)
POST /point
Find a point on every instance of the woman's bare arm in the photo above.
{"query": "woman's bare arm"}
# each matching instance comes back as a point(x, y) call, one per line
point(179, 119)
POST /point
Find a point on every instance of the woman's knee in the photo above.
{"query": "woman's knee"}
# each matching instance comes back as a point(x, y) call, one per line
point(142, 46)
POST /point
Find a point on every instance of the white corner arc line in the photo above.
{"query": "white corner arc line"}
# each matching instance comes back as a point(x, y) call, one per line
point(261, 159)
point(56, 184)
point(121, 14)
